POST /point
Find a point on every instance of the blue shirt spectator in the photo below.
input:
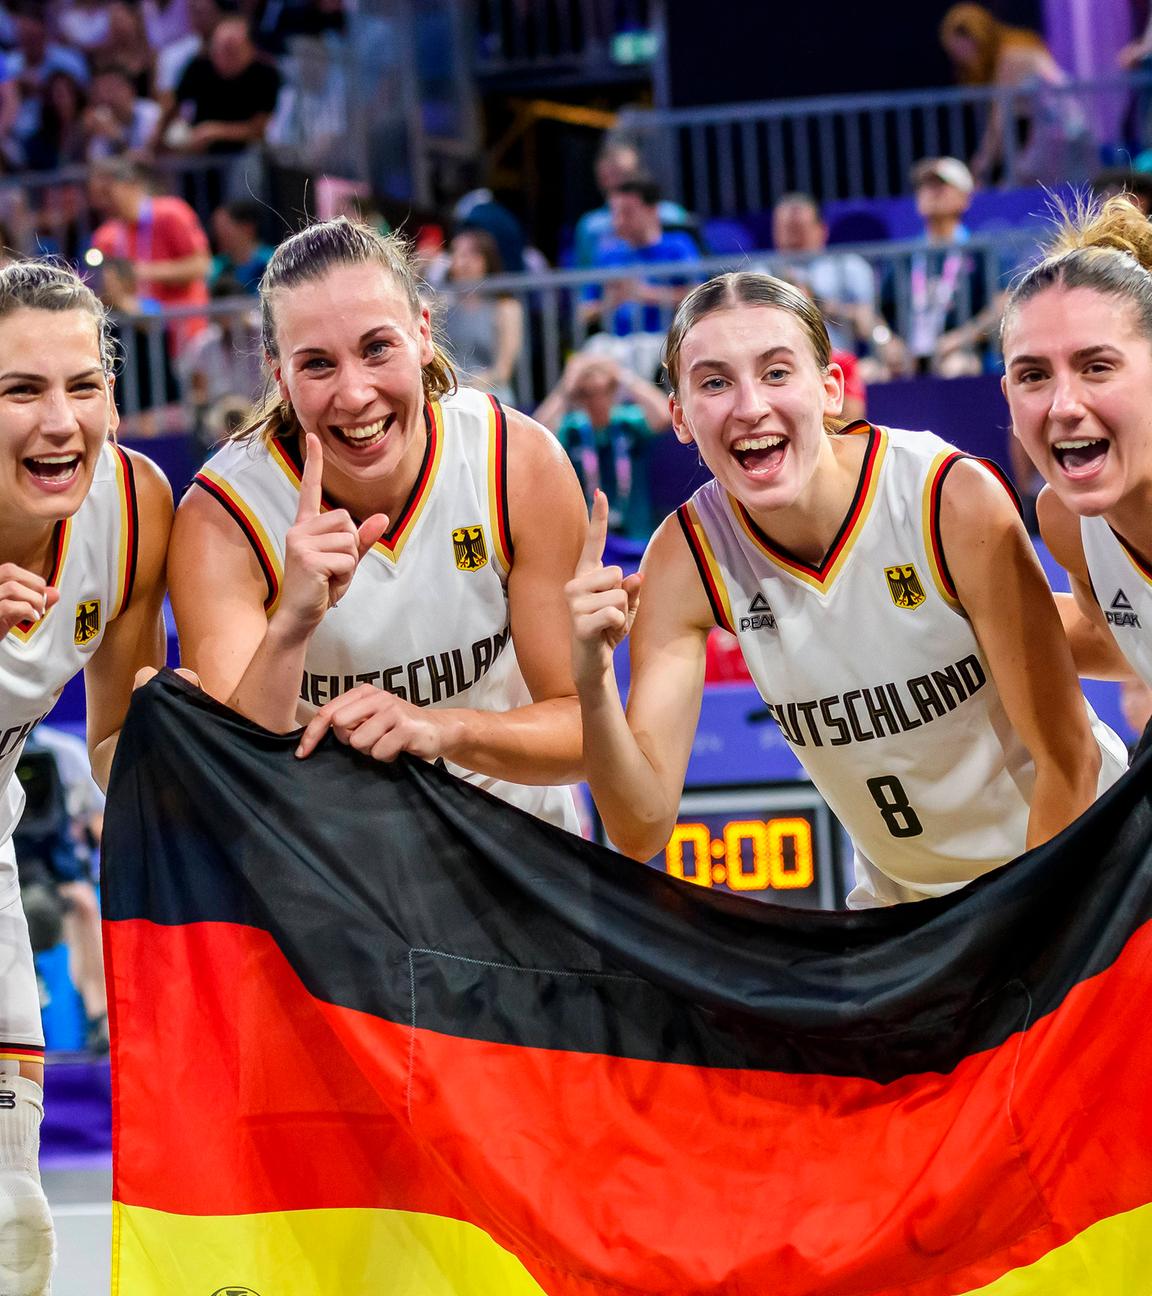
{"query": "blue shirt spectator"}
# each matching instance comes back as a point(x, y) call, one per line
point(638, 305)
point(618, 162)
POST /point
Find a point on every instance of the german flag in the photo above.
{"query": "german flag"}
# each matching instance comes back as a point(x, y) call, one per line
point(376, 1032)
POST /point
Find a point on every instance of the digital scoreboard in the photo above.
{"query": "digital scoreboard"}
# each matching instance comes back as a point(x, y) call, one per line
point(779, 843)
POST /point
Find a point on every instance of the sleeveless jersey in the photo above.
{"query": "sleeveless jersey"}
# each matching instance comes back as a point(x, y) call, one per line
point(875, 677)
point(426, 614)
point(93, 567)
point(1122, 584)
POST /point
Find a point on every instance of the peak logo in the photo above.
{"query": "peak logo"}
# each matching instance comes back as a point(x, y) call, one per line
point(1119, 612)
point(759, 615)
point(235, 1291)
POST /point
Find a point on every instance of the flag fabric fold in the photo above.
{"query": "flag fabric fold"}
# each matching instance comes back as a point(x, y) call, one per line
point(375, 1031)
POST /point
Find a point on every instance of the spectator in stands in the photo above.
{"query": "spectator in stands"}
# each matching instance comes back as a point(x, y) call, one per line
point(60, 139)
point(159, 234)
point(175, 54)
point(32, 62)
point(479, 209)
point(842, 283)
point(221, 369)
point(229, 94)
point(605, 416)
point(127, 48)
point(484, 333)
point(241, 254)
point(118, 120)
point(636, 308)
point(1057, 143)
point(943, 300)
point(619, 161)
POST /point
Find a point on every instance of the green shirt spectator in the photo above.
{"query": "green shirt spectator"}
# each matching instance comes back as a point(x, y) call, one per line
point(605, 416)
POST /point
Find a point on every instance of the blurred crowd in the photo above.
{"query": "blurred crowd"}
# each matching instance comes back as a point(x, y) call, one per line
point(103, 97)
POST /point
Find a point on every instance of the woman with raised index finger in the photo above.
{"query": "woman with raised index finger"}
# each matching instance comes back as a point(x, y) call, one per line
point(382, 553)
point(886, 599)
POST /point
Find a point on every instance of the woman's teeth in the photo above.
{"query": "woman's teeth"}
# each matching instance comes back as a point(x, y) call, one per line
point(53, 467)
point(758, 443)
point(762, 454)
point(369, 432)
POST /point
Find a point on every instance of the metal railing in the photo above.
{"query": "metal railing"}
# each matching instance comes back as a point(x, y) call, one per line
point(740, 158)
point(556, 309)
point(556, 312)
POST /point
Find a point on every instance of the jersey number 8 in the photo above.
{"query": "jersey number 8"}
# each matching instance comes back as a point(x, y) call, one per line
point(899, 817)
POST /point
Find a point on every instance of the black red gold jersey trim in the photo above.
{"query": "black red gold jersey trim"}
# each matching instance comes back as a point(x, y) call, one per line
point(942, 465)
point(707, 566)
point(21, 1052)
point(821, 575)
point(129, 530)
point(498, 482)
point(286, 452)
point(61, 534)
point(250, 527)
point(1141, 564)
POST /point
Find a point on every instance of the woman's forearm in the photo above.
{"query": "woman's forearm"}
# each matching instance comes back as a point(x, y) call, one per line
point(1062, 793)
point(537, 745)
point(270, 686)
point(636, 810)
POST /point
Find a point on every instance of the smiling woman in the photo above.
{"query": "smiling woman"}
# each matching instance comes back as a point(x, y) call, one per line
point(1077, 338)
point(83, 532)
point(886, 600)
point(383, 554)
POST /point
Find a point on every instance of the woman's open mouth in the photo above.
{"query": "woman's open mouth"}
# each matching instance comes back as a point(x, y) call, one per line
point(54, 472)
point(367, 435)
point(760, 456)
point(1080, 457)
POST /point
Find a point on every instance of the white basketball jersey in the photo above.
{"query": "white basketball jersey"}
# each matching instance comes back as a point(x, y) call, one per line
point(426, 614)
point(94, 566)
point(1122, 584)
point(875, 677)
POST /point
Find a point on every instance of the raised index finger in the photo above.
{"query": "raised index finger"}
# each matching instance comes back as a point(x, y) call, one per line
point(592, 554)
point(311, 479)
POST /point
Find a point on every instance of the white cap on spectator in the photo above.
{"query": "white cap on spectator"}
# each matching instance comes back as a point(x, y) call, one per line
point(948, 170)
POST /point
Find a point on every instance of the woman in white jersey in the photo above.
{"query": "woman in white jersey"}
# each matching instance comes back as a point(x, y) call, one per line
point(83, 531)
point(1077, 337)
point(382, 554)
point(886, 599)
